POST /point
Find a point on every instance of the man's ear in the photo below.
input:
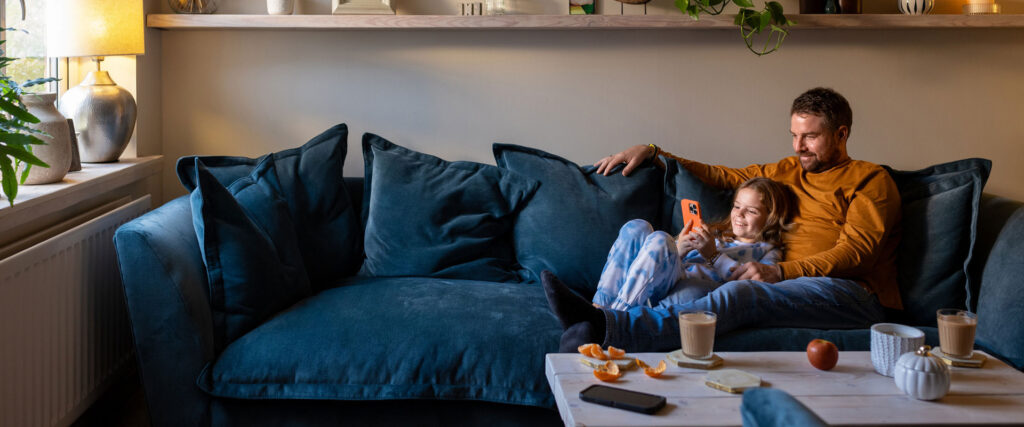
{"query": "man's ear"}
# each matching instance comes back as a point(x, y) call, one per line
point(843, 132)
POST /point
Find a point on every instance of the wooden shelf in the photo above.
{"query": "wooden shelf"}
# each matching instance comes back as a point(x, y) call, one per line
point(561, 22)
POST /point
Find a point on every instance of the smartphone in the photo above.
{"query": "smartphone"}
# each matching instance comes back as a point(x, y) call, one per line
point(623, 399)
point(691, 213)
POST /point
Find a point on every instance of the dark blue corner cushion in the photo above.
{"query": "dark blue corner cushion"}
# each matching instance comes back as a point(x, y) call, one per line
point(1000, 308)
point(248, 245)
point(397, 338)
point(574, 218)
point(715, 203)
point(312, 182)
point(430, 217)
point(939, 227)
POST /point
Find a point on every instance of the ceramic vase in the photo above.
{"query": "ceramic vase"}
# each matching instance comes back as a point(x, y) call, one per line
point(57, 150)
point(916, 7)
point(280, 7)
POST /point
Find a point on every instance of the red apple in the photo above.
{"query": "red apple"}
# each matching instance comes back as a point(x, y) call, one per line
point(822, 354)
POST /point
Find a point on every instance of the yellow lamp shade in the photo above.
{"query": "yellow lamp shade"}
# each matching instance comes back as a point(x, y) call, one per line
point(94, 28)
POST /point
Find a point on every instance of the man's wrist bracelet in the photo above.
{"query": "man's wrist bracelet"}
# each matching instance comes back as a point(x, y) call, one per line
point(656, 150)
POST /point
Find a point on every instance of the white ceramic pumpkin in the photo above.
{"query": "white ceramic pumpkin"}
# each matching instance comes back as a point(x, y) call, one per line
point(921, 375)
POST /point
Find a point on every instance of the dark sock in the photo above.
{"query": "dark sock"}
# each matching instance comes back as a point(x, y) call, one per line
point(577, 335)
point(568, 307)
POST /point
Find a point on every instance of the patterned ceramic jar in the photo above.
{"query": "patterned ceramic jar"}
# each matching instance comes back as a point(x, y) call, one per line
point(916, 7)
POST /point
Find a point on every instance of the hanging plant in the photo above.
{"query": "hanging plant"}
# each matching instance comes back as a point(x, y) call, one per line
point(770, 20)
point(16, 137)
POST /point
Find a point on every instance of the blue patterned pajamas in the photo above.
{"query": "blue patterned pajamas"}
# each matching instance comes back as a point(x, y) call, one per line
point(644, 267)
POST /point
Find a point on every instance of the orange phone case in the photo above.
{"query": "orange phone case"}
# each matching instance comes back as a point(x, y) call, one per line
point(691, 213)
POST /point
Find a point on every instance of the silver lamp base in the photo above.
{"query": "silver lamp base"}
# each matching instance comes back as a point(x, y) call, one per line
point(104, 116)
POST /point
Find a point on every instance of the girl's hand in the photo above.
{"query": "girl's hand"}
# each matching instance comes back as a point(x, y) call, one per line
point(632, 157)
point(703, 242)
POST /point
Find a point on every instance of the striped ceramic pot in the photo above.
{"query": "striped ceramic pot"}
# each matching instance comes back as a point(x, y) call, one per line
point(916, 7)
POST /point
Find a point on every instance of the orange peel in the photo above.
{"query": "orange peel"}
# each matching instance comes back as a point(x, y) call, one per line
point(655, 372)
point(608, 372)
point(616, 353)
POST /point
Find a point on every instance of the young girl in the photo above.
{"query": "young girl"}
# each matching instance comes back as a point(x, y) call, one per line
point(644, 266)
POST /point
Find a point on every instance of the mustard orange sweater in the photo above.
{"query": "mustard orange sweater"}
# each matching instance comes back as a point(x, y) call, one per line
point(846, 226)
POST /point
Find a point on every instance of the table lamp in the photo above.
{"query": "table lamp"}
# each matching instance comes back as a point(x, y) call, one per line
point(103, 112)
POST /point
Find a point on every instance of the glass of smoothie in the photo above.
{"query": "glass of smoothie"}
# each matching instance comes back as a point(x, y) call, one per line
point(697, 331)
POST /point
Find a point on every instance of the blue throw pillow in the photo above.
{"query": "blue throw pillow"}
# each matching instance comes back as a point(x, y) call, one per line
point(939, 227)
point(574, 218)
point(312, 183)
point(248, 245)
point(1000, 312)
point(430, 217)
point(715, 203)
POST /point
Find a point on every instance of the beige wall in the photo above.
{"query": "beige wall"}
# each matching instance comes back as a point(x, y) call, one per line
point(919, 96)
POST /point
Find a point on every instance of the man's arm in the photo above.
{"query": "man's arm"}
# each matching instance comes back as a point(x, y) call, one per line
point(716, 176)
point(870, 219)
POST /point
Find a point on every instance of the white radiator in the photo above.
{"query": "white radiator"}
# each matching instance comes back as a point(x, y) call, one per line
point(64, 331)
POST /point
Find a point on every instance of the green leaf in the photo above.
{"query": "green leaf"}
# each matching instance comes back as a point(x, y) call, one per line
point(766, 20)
point(24, 173)
point(743, 3)
point(23, 155)
point(19, 139)
point(775, 8)
point(682, 5)
point(17, 111)
point(39, 81)
point(10, 182)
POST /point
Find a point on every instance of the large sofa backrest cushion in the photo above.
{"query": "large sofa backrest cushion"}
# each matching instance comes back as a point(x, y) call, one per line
point(715, 203)
point(248, 245)
point(1001, 298)
point(575, 217)
point(312, 182)
point(939, 227)
point(429, 217)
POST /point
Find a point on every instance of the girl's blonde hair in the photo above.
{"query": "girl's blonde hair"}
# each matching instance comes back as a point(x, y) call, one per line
point(780, 204)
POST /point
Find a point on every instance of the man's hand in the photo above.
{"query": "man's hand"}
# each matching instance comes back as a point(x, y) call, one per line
point(632, 157)
point(757, 271)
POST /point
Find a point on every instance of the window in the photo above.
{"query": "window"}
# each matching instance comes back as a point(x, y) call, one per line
point(27, 42)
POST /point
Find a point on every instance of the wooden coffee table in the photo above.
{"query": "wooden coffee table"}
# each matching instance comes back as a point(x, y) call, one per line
point(852, 393)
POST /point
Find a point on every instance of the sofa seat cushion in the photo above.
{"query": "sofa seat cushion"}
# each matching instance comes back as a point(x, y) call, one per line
point(397, 338)
point(796, 339)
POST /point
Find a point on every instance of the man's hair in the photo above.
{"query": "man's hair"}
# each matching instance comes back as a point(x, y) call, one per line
point(827, 103)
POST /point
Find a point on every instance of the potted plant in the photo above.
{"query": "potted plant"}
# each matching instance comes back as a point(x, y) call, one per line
point(751, 22)
point(16, 137)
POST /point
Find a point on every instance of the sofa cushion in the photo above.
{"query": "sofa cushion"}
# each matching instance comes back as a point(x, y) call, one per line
point(1000, 312)
point(397, 338)
point(434, 218)
point(248, 245)
point(796, 339)
point(715, 203)
point(939, 223)
point(574, 218)
point(311, 177)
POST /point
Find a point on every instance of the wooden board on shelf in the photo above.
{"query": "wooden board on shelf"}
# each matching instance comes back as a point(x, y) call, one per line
point(562, 22)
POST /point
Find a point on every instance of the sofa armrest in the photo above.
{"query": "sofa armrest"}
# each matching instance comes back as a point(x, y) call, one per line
point(166, 292)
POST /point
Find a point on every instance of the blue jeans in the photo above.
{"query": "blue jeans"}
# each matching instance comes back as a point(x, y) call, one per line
point(805, 302)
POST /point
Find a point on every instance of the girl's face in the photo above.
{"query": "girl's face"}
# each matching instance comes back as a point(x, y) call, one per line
point(748, 215)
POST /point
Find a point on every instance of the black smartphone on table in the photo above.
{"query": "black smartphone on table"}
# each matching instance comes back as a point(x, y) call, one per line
point(623, 399)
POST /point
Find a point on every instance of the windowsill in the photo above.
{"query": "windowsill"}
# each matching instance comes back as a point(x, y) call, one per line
point(79, 185)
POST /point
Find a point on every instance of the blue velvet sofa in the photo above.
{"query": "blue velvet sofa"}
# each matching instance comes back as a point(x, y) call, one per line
point(279, 292)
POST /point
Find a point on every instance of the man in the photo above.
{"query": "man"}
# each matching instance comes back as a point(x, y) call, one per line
point(839, 267)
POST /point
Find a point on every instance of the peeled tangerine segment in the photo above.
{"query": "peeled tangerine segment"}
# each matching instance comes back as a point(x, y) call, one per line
point(655, 372)
point(616, 353)
point(608, 372)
